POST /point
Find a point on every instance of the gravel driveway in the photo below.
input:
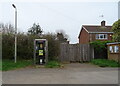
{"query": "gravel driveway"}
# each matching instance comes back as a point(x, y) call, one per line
point(74, 73)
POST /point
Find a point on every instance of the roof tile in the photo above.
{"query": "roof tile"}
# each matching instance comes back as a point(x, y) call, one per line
point(93, 28)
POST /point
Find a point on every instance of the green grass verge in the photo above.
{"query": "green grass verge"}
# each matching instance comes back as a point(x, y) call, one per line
point(10, 65)
point(105, 63)
point(53, 64)
point(0, 65)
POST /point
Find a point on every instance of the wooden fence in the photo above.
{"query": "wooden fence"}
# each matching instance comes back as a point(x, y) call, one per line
point(76, 52)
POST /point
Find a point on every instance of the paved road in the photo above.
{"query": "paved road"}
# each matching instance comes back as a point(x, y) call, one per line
point(74, 73)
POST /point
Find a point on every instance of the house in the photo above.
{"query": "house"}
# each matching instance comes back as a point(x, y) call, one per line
point(91, 33)
point(114, 51)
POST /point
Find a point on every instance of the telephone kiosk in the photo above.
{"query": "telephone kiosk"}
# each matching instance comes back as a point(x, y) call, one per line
point(40, 51)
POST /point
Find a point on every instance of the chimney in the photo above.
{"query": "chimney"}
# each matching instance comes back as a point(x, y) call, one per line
point(103, 23)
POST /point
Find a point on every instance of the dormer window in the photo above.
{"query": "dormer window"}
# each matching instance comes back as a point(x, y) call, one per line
point(101, 36)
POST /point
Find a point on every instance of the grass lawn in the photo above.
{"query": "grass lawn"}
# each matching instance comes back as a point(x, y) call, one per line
point(9, 64)
point(53, 64)
point(105, 63)
point(0, 65)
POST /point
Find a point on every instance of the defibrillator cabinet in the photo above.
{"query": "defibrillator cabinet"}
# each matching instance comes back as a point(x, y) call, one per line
point(40, 51)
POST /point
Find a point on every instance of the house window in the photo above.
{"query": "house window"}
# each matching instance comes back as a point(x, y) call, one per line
point(101, 36)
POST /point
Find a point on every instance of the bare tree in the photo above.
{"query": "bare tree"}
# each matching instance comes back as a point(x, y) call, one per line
point(7, 28)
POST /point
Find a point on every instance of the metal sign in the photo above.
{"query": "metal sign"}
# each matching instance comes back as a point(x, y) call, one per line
point(40, 51)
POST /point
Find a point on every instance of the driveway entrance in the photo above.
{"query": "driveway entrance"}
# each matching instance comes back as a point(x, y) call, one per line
point(74, 73)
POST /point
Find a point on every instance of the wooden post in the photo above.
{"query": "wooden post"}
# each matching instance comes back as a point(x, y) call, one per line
point(34, 52)
point(46, 51)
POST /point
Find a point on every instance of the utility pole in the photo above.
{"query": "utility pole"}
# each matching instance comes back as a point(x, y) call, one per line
point(15, 56)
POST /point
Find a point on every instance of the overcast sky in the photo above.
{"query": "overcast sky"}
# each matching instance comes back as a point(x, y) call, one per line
point(53, 16)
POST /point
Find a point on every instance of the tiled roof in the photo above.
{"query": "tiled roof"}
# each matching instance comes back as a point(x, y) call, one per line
point(93, 28)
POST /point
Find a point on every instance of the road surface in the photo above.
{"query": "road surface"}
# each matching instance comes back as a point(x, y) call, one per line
point(74, 73)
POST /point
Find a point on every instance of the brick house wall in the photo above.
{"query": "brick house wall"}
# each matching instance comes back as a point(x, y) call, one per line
point(110, 36)
point(88, 33)
point(84, 37)
point(93, 37)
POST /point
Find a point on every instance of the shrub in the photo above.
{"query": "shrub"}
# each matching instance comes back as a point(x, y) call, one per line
point(25, 46)
point(100, 49)
point(7, 46)
point(53, 46)
point(116, 30)
point(25, 42)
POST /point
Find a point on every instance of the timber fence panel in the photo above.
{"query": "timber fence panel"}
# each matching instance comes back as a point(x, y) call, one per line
point(76, 52)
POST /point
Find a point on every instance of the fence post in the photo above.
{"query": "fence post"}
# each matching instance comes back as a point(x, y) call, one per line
point(92, 52)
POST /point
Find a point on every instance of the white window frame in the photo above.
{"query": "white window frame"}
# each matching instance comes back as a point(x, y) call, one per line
point(116, 49)
point(98, 36)
point(111, 49)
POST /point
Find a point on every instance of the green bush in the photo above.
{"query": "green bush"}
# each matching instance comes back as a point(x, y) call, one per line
point(100, 49)
point(116, 30)
point(25, 46)
point(0, 65)
point(53, 46)
point(25, 42)
point(8, 46)
point(105, 63)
